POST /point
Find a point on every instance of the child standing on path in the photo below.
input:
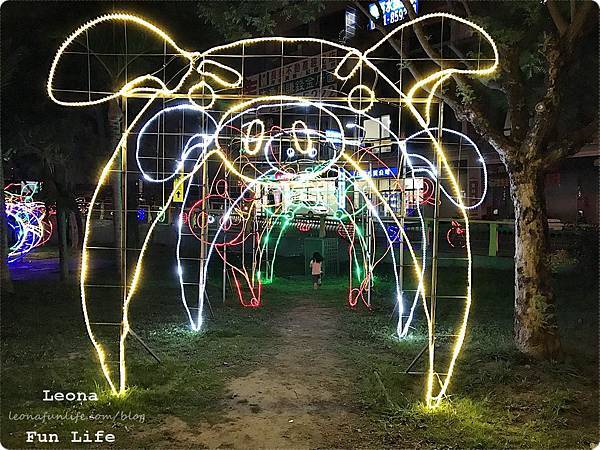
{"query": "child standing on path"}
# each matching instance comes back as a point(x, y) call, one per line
point(315, 269)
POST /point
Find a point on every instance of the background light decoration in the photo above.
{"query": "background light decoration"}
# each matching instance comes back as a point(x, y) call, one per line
point(456, 235)
point(304, 227)
point(209, 79)
point(28, 220)
point(141, 215)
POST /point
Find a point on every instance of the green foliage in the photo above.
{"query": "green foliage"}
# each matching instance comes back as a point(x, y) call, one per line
point(532, 61)
point(541, 313)
point(245, 19)
point(465, 93)
point(61, 148)
point(513, 21)
point(561, 260)
point(522, 29)
point(578, 250)
point(522, 26)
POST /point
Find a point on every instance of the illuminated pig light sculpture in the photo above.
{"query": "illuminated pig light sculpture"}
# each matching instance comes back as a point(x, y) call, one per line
point(200, 63)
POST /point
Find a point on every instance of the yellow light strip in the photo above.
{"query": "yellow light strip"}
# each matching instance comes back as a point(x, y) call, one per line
point(431, 400)
point(255, 138)
point(201, 70)
point(201, 86)
point(371, 98)
point(131, 86)
point(297, 146)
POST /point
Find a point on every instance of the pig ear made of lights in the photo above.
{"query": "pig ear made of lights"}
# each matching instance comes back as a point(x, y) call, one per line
point(205, 77)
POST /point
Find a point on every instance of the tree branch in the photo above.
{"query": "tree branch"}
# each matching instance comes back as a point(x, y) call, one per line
point(571, 144)
point(467, 8)
point(395, 45)
point(420, 33)
point(450, 100)
point(557, 53)
point(557, 18)
point(515, 95)
point(546, 109)
point(491, 84)
point(437, 58)
point(471, 112)
point(582, 15)
point(475, 116)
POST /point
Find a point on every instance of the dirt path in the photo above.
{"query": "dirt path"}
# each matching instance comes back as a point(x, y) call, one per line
point(296, 399)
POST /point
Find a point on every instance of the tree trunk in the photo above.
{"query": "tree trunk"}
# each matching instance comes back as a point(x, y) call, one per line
point(63, 250)
point(77, 219)
point(535, 326)
point(5, 281)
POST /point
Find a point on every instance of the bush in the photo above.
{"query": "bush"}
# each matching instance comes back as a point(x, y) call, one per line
point(561, 260)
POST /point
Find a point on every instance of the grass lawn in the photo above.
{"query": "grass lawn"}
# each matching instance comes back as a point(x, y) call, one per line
point(45, 346)
point(498, 398)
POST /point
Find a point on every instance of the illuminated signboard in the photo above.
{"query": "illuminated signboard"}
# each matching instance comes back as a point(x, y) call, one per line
point(335, 137)
point(308, 77)
point(393, 11)
point(378, 172)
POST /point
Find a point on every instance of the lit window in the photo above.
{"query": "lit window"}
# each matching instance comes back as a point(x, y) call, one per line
point(350, 23)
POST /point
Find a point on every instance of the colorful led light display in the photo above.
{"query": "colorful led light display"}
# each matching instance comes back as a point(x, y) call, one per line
point(214, 86)
point(28, 219)
point(456, 235)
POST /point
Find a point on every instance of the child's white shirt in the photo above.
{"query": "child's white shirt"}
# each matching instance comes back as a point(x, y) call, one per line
point(315, 267)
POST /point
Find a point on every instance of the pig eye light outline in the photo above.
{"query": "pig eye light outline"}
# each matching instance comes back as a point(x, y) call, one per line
point(203, 64)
